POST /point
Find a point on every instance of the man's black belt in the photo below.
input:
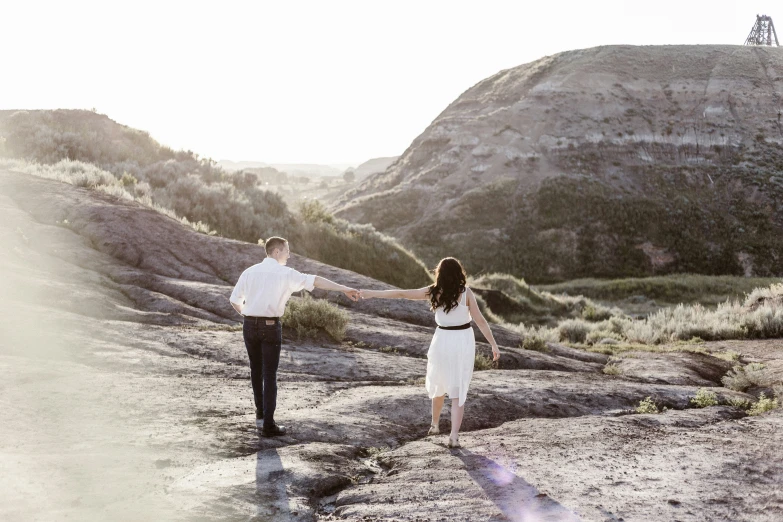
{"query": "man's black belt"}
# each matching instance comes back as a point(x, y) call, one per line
point(460, 327)
point(262, 318)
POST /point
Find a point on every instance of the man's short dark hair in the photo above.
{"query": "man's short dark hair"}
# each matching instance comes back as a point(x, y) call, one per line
point(274, 242)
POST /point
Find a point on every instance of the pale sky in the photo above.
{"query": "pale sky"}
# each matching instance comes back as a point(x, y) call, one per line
point(329, 81)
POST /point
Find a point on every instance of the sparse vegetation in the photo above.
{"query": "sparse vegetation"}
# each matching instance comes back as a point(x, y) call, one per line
point(534, 343)
point(704, 398)
point(647, 406)
point(482, 362)
point(740, 378)
point(514, 301)
point(760, 316)
point(573, 330)
point(739, 403)
point(728, 355)
point(671, 289)
point(90, 150)
point(763, 405)
point(356, 247)
point(308, 316)
point(612, 369)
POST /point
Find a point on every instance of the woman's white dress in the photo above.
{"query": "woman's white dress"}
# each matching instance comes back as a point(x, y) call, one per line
point(451, 354)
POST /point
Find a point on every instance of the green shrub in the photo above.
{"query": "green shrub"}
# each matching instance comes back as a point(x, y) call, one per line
point(360, 248)
point(488, 314)
point(595, 312)
point(128, 180)
point(482, 362)
point(531, 306)
point(596, 336)
point(647, 406)
point(704, 398)
point(740, 378)
point(674, 289)
point(728, 355)
point(534, 343)
point(739, 403)
point(573, 330)
point(90, 150)
point(612, 369)
point(314, 211)
point(307, 316)
point(764, 404)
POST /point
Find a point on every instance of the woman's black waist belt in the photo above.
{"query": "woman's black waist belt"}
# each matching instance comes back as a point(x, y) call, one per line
point(460, 327)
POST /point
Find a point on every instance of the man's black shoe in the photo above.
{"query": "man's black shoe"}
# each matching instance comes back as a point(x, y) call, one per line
point(273, 431)
point(259, 414)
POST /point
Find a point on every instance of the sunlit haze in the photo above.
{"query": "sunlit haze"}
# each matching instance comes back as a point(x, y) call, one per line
point(333, 82)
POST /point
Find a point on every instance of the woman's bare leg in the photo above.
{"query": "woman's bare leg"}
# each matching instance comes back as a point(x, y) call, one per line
point(437, 406)
point(457, 413)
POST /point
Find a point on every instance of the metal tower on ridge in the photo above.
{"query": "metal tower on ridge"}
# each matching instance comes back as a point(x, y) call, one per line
point(763, 31)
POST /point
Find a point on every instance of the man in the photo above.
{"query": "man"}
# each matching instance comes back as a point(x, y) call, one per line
point(260, 295)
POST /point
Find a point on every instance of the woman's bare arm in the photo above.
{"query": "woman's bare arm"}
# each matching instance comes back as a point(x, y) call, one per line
point(419, 294)
point(482, 324)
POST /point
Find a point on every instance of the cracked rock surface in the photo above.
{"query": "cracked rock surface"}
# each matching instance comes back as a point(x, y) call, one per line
point(126, 396)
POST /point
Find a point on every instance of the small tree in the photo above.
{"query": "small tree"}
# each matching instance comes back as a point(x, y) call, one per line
point(349, 176)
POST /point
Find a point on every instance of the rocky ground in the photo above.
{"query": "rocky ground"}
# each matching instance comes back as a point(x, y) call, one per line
point(126, 396)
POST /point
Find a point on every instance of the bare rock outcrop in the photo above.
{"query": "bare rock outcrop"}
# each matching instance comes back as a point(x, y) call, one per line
point(126, 396)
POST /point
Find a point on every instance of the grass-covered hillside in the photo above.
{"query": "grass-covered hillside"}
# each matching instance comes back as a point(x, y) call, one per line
point(91, 150)
point(665, 290)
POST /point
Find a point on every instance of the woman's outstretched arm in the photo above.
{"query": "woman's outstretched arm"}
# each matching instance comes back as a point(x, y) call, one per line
point(419, 294)
point(483, 325)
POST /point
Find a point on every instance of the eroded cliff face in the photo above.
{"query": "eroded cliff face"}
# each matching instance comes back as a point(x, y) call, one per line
point(609, 161)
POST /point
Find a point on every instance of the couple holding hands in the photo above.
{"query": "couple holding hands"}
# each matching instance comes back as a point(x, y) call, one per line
point(263, 290)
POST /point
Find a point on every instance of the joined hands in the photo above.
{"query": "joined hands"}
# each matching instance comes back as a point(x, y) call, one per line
point(352, 294)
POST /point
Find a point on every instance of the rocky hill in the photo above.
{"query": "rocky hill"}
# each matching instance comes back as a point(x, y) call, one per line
point(126, 395)
point(610, 161)
point(374, 166)
point(89, 149)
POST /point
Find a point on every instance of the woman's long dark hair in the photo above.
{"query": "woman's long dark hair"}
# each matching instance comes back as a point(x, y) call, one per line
point(449, 284)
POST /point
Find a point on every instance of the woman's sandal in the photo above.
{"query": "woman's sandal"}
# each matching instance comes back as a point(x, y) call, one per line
point(454, 443)
point(434, 430)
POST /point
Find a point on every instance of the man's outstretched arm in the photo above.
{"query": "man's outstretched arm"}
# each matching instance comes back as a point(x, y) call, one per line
point(325, 284)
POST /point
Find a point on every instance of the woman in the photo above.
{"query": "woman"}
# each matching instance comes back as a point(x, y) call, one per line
point(453, 348)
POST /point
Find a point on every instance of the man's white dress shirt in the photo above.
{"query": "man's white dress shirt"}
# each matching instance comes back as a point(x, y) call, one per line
point(265, 288)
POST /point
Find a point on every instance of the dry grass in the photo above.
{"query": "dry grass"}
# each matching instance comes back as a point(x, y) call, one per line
point(308, 316)
point(482, 362)
point(740, 378)
point(682, 328)
point(534, 343)
point(573, 330)
point(679, 288)
point(535, 307)
point(89, 176)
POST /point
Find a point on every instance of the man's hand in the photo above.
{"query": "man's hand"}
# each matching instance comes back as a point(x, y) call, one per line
point(352, 294)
